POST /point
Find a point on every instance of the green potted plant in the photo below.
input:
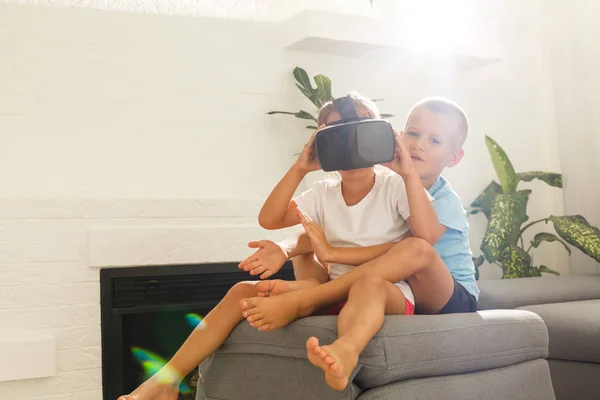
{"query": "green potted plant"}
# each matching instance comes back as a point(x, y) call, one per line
point(505, 208)
point(318, 95)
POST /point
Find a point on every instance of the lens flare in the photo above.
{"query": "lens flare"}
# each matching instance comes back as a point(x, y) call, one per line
point(195, 321)
point(153, 363)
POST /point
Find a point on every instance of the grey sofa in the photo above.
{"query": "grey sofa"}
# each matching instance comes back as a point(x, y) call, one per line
point(498, 354)
point(570, 308)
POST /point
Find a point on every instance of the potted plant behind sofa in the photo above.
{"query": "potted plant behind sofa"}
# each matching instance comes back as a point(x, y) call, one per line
point(505, 208)
point(318, 96)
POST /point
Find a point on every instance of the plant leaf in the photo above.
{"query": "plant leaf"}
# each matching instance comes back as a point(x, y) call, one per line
point(305, 115)
point(575, 230)
point(300, 114)
point(305, 92)
point(548, 237)
point(303, 79)
point(550, 178)
point(543, 268)
point(386, 115)
point(515, 262)
point(485, 199)
point(305, 86)
point(312, 127)
point(281, 112)
point(323, 89)
point(508, 212)
point(502, 165)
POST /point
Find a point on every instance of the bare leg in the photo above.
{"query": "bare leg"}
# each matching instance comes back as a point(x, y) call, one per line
point(308, 273)
point(308, 267)
point(369, 299)
point(218, 324)
point(412, 259)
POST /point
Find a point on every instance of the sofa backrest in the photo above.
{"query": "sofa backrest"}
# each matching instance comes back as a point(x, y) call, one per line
point(513, 293)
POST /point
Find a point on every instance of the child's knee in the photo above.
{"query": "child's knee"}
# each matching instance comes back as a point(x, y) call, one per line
point(243, 289)
point(369, 283)
point(307, 267)
point(302, 260)
point(306, 261)
point(415, 247)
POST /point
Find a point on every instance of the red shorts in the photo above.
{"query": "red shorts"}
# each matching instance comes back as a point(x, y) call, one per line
point(409, 308)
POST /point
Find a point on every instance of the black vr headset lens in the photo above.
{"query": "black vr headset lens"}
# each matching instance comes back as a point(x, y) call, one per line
point(353, 142)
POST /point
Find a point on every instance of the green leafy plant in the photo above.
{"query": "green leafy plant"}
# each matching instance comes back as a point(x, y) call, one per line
point(318, 95)
point(505, 208)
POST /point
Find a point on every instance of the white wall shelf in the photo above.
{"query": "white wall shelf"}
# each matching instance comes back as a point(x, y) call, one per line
point(358, 36)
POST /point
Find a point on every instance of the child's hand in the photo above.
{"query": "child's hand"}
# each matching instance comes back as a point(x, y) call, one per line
point(402, 164)
point(307, 161)
point(266, 261)
point(319, 242)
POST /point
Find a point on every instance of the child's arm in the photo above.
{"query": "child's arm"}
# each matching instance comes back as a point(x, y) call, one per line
point(279, 210)
point(423, 220)
point(296, 245)
point(341, 255)
point(358, 255)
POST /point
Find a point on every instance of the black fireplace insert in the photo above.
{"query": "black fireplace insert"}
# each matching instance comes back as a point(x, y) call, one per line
point(148, 312)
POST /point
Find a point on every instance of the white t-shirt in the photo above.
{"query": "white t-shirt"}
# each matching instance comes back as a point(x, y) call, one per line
point(380, 217)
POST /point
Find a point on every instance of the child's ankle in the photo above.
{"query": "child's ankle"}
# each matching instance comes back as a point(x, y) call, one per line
point(168, 375)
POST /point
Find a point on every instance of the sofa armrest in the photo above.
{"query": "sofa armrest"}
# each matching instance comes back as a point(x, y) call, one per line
point(513, 293)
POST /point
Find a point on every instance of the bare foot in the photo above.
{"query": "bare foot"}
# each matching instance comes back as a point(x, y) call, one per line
point(272, 287)
point(270, 313)
point(337, 360)
point(152, 389)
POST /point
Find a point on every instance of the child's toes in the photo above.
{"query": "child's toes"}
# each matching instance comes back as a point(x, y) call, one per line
point(249, 303)
point(254, 319)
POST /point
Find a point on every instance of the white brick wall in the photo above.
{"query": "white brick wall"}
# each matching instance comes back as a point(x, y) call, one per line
point(122, 120)
point(49, 280)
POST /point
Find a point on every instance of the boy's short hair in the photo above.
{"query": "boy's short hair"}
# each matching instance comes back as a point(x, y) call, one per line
point(441, 105)
point(357, 99)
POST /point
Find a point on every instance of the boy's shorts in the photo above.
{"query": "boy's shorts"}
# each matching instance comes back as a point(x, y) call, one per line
point(461, 301)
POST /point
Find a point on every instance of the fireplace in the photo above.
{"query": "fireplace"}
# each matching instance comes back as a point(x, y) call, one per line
point(148, 312)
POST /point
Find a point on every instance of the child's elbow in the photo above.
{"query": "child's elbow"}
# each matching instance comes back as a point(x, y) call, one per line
point(430, 237)
point(432, 240)
point(267, 223)
point(433, 237)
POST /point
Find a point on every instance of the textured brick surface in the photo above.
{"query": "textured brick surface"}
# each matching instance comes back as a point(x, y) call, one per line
point(173, 245)
point(79, 359)
point(49, 285)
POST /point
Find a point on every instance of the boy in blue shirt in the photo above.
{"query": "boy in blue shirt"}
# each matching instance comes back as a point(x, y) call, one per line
point(441, 277)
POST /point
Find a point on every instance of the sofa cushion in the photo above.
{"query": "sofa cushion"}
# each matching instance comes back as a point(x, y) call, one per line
point(407, 347)
point(525, 381)
point(574, 329)
point(513, 293)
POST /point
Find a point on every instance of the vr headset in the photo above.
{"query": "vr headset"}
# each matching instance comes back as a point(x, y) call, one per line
point(353, 142)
